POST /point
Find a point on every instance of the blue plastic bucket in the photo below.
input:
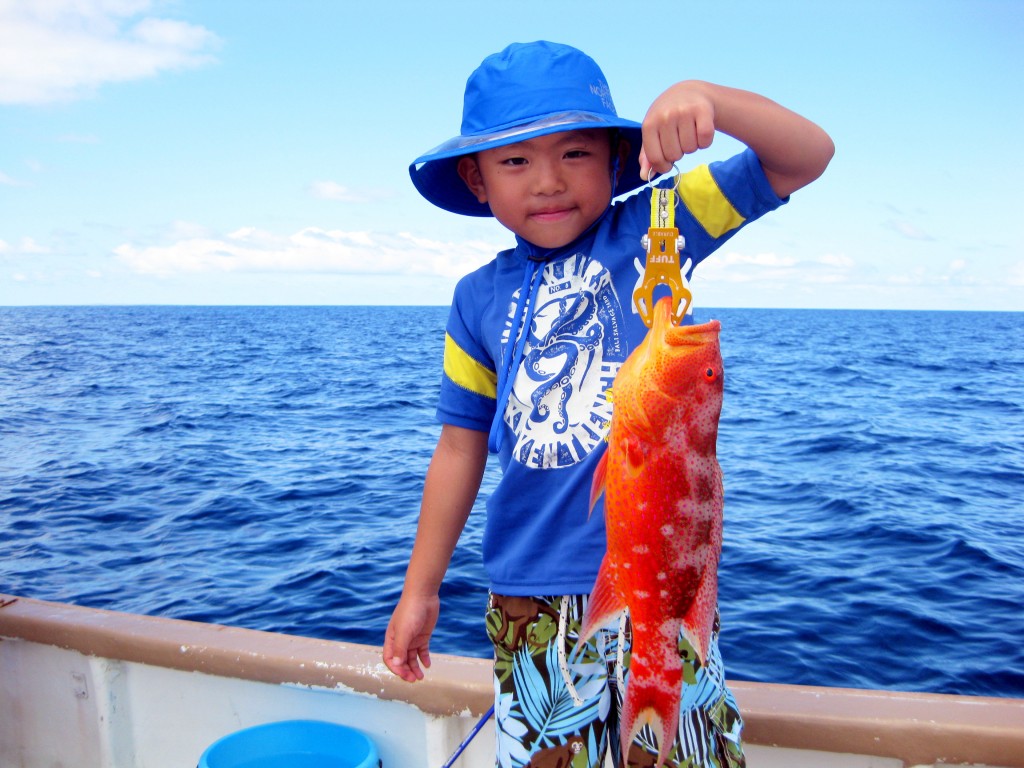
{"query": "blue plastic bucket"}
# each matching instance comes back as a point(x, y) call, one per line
point(292, 744)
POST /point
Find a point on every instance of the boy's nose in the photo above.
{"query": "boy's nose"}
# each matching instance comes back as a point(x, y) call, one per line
point(548, 179)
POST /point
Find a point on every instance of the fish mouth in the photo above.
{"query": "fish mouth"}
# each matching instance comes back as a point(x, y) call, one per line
point(681, 335)
point(692, 335)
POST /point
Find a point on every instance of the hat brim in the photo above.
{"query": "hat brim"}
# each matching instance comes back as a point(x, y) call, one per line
point(435, 174)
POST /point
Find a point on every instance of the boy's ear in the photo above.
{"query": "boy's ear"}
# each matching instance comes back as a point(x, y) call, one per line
point(469, 172)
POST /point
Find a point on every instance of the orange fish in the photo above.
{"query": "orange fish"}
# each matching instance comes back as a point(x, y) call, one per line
point(663, 493)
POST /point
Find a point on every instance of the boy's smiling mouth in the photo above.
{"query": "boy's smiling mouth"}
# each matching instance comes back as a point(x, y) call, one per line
point(551, 214)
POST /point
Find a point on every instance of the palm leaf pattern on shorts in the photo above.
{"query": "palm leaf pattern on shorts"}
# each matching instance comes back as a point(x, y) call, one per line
point(510, 732)
point(545, 703)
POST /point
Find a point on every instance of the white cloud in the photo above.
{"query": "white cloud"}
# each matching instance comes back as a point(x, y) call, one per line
point(55, 50)
point(774, 269)
point(1015, 274)
point(907, 229)
point(836, 260)
point(957, 272)
point(766, 260)
point(187, 230)
point(331, 190)
point(27, 245)
point(915, 277)
point(10, 181)
point(735, 267)
point(310, 250)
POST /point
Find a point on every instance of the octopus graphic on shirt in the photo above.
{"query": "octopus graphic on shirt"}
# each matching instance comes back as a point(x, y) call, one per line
point(575, 345)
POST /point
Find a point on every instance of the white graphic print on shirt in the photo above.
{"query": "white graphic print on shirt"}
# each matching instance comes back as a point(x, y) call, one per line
point(576, 344)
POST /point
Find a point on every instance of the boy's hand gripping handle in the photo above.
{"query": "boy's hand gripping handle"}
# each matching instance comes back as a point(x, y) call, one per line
point(662, 244)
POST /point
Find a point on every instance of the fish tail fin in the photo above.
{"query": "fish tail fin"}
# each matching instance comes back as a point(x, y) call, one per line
point(652, 698)
point(604, 603)
point(597, 484)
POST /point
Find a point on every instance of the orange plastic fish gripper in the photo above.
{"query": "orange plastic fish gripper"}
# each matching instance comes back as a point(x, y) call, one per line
point(662, 244)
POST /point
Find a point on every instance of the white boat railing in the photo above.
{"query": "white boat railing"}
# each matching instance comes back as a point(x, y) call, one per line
point(147, 691)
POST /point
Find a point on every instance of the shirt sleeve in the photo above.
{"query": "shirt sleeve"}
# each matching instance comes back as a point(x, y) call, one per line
point(469, 385)
point(720, 199)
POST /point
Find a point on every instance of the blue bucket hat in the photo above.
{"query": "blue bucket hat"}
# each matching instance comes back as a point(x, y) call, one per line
point(526, 90)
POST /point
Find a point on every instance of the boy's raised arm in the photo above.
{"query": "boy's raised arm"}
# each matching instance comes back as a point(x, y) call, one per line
point(452, 482)
point(793, 151)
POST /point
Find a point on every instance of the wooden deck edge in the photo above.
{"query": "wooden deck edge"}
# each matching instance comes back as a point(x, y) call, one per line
point(917, 728)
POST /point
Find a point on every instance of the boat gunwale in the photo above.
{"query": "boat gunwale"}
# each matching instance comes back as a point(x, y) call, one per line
point(916, 728)
point(453, 687)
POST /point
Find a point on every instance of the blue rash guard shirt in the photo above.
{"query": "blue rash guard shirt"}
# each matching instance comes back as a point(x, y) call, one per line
point(569, 314)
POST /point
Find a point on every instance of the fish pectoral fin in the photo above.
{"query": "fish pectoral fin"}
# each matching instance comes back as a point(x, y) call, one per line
point(597, 484)
point(699, 620)
point(604, 603)
point(635, 454)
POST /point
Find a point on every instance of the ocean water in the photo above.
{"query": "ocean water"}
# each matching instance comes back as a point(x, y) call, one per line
point(262, 466)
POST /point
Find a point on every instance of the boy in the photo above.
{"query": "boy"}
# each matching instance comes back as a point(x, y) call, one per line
point(533, 341)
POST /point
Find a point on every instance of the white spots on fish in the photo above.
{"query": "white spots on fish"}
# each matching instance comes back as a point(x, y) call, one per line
point(668, 531)
point(641, 549)
point(687, 559)
point(669, 631)
point(684, 508)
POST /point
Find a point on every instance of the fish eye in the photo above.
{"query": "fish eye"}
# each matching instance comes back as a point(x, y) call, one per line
point(710, 374)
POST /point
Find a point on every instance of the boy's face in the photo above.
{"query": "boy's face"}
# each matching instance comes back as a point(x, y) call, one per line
point(548, 189)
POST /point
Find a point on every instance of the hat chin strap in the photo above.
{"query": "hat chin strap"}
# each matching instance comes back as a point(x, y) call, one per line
point(616, 163)
point(616, 143)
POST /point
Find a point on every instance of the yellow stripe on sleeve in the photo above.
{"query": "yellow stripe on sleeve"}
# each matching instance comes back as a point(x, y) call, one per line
point(705, 201)
point(467, 372)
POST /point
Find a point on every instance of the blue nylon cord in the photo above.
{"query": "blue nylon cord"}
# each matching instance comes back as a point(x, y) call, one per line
point(513, 354)
point(469, 738)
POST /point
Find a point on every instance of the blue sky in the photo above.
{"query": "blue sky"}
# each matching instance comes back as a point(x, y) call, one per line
point(256, 152)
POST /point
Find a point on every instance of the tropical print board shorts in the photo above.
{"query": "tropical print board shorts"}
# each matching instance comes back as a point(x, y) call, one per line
point(557, 703)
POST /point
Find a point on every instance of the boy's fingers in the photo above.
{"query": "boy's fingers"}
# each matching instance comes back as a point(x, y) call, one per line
point(408, 667)
point(401, 669)
point(415, 670)
point(649, 168)
point(645, 166)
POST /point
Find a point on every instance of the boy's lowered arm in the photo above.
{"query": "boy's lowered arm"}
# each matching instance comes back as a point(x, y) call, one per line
point(452, 482)
point(793, 151)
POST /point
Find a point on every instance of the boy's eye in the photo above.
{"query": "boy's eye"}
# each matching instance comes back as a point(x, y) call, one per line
point(514, 161)
point(576, 153)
